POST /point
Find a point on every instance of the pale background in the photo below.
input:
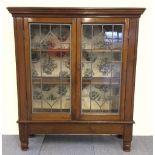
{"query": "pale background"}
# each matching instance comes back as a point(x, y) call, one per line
point(144, 88)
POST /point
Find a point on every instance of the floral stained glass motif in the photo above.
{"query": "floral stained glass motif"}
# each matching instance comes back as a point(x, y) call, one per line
point(101, 60)
point(50, 47)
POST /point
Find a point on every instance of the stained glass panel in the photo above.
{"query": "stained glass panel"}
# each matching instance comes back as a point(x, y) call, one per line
point(101, 56)
point(50, 47)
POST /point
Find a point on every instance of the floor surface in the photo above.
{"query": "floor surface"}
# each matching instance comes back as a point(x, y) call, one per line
point(76, 145)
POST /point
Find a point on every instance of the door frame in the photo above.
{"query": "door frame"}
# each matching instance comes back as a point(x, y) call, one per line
point(44, 115)
point(99, 20)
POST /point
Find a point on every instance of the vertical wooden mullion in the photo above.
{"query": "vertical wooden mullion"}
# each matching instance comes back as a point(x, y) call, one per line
point(78, 70)
point(73, 70)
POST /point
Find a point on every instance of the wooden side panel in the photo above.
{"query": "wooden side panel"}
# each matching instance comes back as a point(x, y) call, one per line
point(130, 82)
point(21, 81)
point(20, 66)
point(27, 67)
point(131, 67)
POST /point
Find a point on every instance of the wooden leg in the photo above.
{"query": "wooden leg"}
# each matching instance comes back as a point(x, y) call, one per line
point(127, 146)
point(127, 138)
point(24, 146)
point(23, 135)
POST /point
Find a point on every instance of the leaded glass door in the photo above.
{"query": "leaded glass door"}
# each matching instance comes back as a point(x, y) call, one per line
point(77, 68)
point(101, 57)
point(50, 58)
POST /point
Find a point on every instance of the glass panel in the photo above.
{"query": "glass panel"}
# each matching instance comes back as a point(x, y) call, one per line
point(101, 68)
point(36, 94)
point(87, 37)
point(50, 67)
point(117, 37)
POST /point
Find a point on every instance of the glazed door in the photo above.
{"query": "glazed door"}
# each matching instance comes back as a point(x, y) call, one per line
point(102, 66)
point(50, 60)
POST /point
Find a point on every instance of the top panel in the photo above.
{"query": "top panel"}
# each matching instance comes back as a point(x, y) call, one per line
point(74, 12)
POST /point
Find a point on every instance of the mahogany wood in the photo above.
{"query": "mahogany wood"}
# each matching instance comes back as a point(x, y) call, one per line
point(21, 78)
point(78, 78)
point(74, 12)
point(75, 128)
point(130, 81)
point(75, 122)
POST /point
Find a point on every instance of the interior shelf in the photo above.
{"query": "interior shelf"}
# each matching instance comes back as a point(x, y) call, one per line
point(50, 80)
point(101, 80)
point(67, 50)
point(102, 50)
point(49, 50)
point(110, 61)
point(58, 80)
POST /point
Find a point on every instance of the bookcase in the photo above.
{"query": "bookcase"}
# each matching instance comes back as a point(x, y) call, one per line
point(75, 70)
